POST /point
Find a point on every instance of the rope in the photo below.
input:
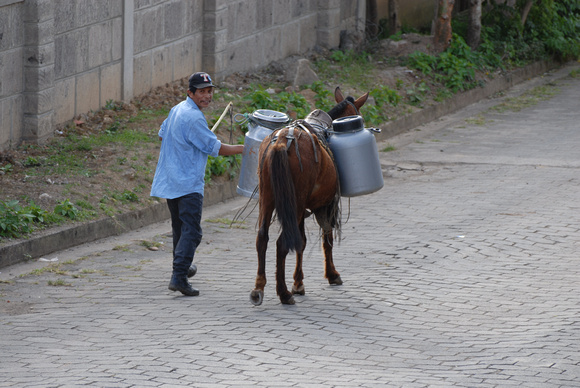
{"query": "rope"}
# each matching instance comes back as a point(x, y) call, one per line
point(242, 118)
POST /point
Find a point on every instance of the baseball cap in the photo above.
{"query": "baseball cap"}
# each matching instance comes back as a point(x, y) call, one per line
point(200, 80)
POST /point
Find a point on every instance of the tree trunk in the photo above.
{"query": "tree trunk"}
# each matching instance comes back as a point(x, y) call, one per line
point(372, 24)
point(474, 27)
point(394, 25)
point(442, 35)
point(526, 10)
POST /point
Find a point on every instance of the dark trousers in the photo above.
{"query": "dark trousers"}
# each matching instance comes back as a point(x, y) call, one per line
point(186, 225)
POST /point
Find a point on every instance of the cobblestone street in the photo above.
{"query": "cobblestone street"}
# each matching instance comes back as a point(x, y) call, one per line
point(463, 271)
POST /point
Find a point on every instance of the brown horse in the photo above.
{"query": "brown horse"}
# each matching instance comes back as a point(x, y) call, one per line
point(297, 177)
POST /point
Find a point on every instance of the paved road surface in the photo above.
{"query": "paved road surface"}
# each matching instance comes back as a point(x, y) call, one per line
point(463, 271)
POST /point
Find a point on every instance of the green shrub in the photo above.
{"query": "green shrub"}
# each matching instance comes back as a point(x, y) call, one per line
point(16, 220)
point(66, 209)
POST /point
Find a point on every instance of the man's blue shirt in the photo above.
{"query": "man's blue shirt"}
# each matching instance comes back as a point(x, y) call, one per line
point(187, 142)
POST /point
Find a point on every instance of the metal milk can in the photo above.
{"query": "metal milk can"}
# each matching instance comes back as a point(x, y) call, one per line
point(356, 156)
point(261, 123)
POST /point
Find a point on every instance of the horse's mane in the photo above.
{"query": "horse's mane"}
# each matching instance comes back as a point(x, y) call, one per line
point(340, 107)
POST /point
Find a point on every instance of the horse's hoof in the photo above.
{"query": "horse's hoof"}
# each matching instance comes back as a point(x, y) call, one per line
point(298, 291)
point(336, 282)
point(256, 297)
point(287, 300)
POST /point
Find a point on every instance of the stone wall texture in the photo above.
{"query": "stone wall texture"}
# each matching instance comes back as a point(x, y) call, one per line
point(61, 58)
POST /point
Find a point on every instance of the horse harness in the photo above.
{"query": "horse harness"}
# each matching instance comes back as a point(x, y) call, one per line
point(295, 129)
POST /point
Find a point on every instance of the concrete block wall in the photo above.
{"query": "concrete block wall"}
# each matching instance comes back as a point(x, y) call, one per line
point(167, 42)
point(62, 58)
point(88, 41)
point(11, 74)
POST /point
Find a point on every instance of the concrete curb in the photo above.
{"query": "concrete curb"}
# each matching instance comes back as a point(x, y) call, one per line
point(60, 238)
point(53, 240)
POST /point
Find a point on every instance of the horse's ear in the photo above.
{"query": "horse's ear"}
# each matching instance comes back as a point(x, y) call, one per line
point(361, 100)
point(338, 96)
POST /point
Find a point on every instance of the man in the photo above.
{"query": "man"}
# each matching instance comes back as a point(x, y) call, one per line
point(186, 143)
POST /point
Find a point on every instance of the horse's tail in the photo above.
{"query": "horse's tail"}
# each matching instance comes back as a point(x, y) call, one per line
point(285, 198)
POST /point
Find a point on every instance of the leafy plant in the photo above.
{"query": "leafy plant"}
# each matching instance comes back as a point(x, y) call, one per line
point(113, 105)
point(14, 220)
point(66, 209)
point(323, 96)
point(217, 166)
point(6, 168)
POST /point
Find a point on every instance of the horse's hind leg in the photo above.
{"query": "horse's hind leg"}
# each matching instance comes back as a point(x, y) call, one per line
point(257, 294)
point(281, 288)
point(330, 272)
point(298, 286)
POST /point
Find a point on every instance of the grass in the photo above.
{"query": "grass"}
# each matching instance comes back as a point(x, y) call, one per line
point(59, 283)
point(477, 120)
point(526, 100)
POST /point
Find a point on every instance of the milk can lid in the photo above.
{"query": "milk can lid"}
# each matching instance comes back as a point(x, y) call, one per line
point(348, 124)
point(271, 116)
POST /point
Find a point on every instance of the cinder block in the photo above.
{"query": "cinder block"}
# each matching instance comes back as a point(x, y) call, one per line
point(328, 38)
point(216, 21)
point(111, 83)
point(270, 45)
point(185, 52)
point(308, 33)
point(142, 71)
point(216, 42)
point(194, 17)
point(39, 102)
point(64, 100)
point(11, 72)
point(282, 11)
point(38, 78)
point(242, 20)
point(38, 11)
point(100, 38)
point(162, 66)
point(87, 92)
point(264, 16)
point(290, 42)
point(142, 4)
point(39, 33)
point(39, 55)
point(117, 49)
point(329, 19)
point(148, 30)
point(328, 4)
point(173, 20)
point(38, 128)
point(12, 27)
point(115, 9)
point(71, 53)
point(5, 123)
point(242, 56)
point(216, 5)
point(89, 12)
point(64, 15)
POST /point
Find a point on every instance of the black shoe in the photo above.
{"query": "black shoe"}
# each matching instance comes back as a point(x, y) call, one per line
point(183, 286)
point(192, 271)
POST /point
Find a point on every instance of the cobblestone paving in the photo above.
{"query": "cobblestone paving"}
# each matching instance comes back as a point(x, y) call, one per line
point(463, 271)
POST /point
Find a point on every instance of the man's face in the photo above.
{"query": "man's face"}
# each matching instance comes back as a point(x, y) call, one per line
point(202, 97)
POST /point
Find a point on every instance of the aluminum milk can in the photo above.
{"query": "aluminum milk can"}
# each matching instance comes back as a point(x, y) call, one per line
point(356, 156)
point(261, 123)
